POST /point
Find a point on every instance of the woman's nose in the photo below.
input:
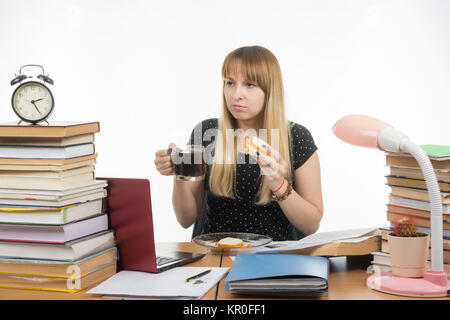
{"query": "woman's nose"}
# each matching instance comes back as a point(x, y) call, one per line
point(238, 93)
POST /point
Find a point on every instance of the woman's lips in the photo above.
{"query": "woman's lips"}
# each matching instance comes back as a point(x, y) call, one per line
point(238, 107)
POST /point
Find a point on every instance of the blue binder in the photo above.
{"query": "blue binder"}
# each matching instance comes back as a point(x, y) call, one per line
point(273, 267)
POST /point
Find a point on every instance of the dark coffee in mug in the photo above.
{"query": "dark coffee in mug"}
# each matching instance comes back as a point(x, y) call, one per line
point(189, 163)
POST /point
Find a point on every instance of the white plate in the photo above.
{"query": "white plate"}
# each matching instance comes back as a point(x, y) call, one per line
point(209, 240)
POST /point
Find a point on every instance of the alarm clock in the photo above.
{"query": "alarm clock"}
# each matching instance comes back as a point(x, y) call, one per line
point(32, 101)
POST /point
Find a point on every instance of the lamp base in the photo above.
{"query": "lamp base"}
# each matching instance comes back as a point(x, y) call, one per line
point(433, 284)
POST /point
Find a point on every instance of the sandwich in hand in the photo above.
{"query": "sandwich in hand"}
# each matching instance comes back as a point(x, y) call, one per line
point(255, 147)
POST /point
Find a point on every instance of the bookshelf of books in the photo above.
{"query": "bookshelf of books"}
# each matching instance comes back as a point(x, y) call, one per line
point(54, 231)
point(408, 197)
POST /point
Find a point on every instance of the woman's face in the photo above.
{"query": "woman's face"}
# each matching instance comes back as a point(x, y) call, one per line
point(244, 99)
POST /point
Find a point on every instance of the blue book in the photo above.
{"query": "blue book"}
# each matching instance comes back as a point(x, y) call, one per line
point(278, 274)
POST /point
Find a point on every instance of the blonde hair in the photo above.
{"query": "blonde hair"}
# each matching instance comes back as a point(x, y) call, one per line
point(260, 66)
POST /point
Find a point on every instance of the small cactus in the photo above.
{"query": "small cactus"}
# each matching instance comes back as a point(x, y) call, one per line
point(405, 228)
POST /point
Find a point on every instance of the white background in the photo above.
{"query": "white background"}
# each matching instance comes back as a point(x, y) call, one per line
point(149, 71)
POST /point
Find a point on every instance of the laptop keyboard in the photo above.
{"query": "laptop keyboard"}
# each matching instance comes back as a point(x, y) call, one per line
point(165, 260)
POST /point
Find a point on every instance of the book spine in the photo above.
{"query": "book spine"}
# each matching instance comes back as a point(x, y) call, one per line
point(67, 290)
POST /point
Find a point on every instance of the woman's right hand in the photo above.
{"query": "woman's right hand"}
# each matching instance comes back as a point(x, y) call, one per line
point(163, 163)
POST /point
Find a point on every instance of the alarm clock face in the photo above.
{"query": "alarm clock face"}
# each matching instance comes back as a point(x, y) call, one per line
point(32, 101)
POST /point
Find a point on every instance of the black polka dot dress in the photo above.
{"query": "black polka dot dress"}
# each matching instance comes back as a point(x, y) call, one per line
point(241, 214)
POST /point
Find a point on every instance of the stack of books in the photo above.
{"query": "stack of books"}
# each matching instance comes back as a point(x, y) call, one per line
point(409, 198)
point(54, 232)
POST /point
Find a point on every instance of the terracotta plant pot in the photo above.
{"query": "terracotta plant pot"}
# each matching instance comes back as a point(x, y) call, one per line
point(409, 255)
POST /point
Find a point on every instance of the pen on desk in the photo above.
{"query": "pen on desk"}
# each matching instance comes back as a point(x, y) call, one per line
point(198, 275)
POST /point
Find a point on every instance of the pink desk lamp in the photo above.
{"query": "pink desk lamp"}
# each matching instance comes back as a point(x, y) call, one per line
point(369, 132)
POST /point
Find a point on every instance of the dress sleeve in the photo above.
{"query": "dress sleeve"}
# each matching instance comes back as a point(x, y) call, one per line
point(303, 145)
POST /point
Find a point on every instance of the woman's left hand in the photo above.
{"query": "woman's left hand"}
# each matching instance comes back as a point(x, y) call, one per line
point(273, 167)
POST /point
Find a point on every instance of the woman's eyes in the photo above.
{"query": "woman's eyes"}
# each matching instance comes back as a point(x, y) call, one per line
point(248, 84)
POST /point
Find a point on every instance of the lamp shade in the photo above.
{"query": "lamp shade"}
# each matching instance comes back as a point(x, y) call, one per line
point(359, 130)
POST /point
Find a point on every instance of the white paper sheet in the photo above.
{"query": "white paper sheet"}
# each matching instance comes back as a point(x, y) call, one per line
point(319, 239)
point(169, 284)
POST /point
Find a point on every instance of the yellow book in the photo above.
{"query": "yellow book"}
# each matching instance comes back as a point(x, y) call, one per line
point(46, 162)
point(46, 174)
point(63, 284)
point(55, 268)
point(46, 168)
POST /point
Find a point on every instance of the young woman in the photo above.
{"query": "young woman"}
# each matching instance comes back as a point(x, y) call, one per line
point(279, 194)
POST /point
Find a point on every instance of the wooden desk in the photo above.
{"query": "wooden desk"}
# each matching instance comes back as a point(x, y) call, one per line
point(347, 280)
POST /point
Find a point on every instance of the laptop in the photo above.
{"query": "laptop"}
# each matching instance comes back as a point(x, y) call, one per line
point(129, 210)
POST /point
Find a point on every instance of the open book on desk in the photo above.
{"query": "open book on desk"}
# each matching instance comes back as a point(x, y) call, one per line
point(331, 243)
